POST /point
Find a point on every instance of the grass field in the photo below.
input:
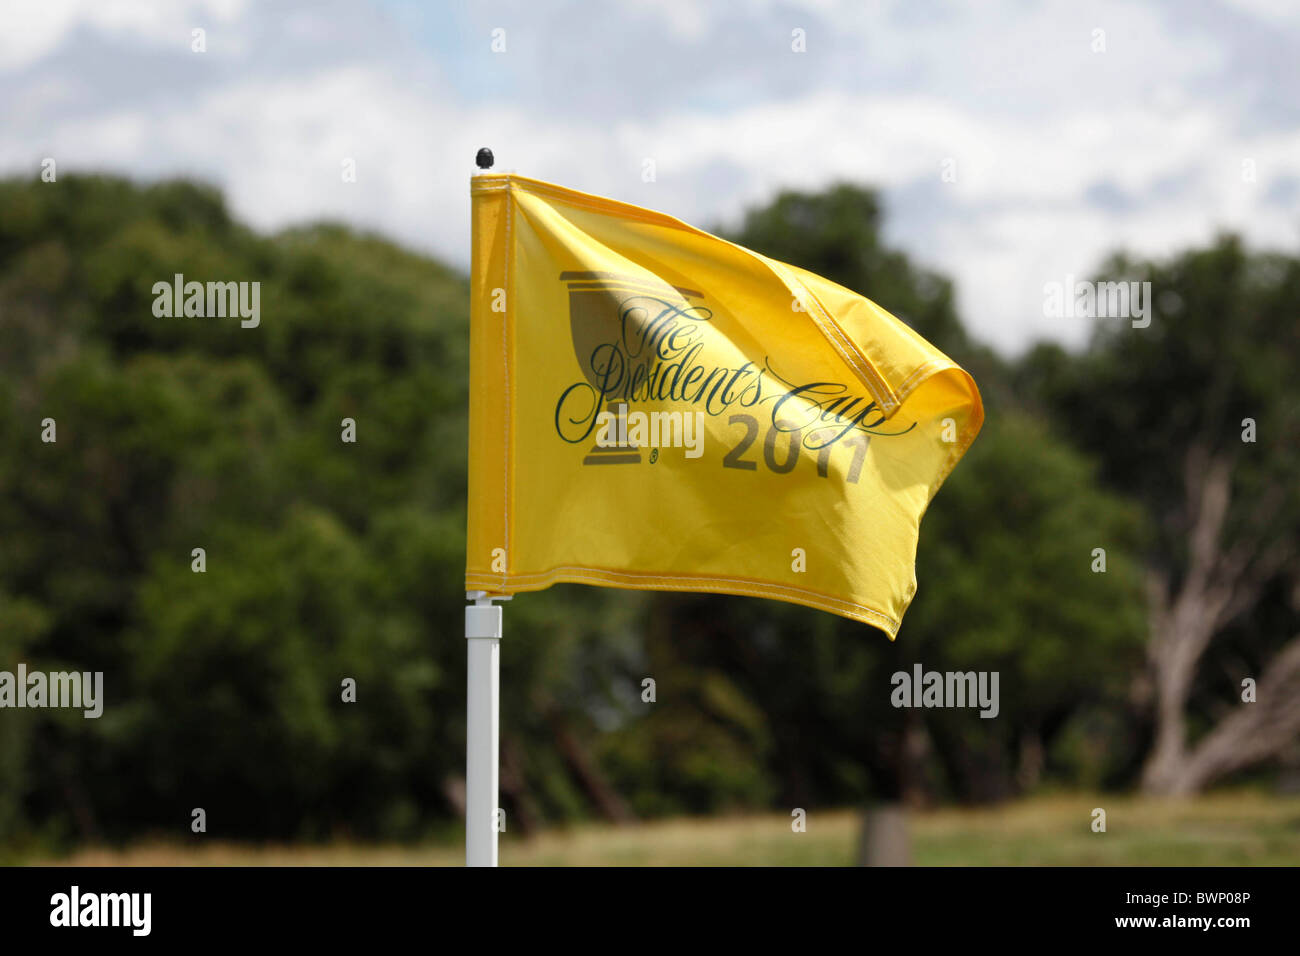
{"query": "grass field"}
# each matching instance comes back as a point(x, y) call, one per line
point(1232, 828)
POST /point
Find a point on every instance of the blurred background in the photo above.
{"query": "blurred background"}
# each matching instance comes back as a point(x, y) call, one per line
point(950, 165)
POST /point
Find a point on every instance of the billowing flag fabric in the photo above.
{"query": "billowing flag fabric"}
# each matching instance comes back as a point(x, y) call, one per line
point(654, 407)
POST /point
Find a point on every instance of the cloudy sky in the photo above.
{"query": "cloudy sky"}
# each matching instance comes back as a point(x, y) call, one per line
point(1073, 128)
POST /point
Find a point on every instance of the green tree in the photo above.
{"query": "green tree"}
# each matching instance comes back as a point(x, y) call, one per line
point(325, 560)
point(1198, 417)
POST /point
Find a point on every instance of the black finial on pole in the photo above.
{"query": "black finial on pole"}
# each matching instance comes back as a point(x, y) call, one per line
point(484, 158)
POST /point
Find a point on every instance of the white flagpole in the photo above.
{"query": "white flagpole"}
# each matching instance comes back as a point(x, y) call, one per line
point(482, 726)
point(482, 705)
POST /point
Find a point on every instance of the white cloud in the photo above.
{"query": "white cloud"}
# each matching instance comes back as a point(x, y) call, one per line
point(32, 29)
point(1062, 155)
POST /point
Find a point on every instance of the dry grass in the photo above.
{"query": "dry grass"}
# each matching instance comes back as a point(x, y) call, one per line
point(1241, 827)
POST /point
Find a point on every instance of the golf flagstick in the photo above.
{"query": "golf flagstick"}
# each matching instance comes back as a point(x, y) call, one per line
point(482, 726)
point(482, 706)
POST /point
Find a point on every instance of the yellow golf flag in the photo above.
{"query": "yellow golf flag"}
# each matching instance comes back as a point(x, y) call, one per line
point(654, 407)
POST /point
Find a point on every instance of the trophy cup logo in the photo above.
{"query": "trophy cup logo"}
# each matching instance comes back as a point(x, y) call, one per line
point(606, 307)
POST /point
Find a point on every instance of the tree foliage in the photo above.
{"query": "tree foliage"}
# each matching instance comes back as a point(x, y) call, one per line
point(328, 560)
